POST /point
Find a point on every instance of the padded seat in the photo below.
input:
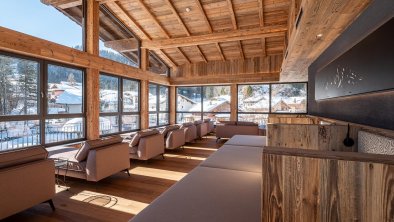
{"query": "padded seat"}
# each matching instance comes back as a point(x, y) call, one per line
point(242, 158)
point(246, 140)
point(208, 194)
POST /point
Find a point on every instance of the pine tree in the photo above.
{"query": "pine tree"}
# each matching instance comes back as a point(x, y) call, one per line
point(28, 74)
point(6, 72)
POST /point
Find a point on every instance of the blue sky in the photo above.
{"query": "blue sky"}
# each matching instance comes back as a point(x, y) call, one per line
point(36, 19)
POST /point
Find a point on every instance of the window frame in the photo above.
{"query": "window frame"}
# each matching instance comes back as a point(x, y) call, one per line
point(42, 101)
point(202, 113)
point(157, 112)
point(120, 113)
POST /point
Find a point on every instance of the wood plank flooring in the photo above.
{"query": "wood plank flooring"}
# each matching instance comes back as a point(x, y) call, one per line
point(119, 197)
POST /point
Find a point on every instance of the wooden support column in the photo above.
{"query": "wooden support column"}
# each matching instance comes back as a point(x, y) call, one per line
point(234, 102)
point(173, 105)
point(92, 74)
point(144, 104)
point(144, 59)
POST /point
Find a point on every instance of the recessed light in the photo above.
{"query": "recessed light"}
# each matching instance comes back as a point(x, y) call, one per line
point(319, 35)
point(188, 9)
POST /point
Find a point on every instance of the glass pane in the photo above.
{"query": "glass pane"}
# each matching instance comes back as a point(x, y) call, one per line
point(130, 95)
point(110, 32)
point(18, 134)
point(217, 117)
point(57, 130)
point(18, 86)
point(189, 99)
point(288, 98)
point(152, 120)
point(130, 122)
point(109, 124)
point(216, 99)
point(65, 90)
point(163, 119)
point(260, 119)
point(58, 25)
point(152, 97)
point(164, 103)
point(187, 117)
point(156, 65)
point(253, 98)
point(109, 87)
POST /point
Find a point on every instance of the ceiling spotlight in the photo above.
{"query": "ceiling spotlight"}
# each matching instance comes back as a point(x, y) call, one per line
point(319, 35)
point(188, 9)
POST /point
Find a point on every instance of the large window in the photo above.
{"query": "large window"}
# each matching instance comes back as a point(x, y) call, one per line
point(119, 104)
point(255, 102)
point(44, 21)
point(40, 102)
point(158, 105)
point(197, 102)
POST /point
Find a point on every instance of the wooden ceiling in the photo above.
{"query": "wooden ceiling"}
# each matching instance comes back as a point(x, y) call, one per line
point(192, 31)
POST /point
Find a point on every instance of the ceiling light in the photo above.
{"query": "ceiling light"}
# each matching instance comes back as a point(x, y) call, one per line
point(319, 35)
point(188, 9)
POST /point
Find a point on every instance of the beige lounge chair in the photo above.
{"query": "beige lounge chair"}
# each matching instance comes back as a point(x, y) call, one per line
point(202, 128)
point(190, 132)
point(95, 160)
point(227, 129)
point(27, 178)
point(174, 137)
point(146, 144)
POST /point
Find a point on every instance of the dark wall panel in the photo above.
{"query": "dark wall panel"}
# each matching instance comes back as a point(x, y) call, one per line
point(374, 109)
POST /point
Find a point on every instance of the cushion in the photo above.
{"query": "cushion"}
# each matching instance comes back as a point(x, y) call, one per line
point(208, 194)
point(168, 129)
point(246, 140)
point(133, 149)
point(83, 152)
point(187, 124)
point(242, 123)
point(228, 122)
point(141, 134)
point(68, 153)
point(197, 122)
point(374, 143)
point(242, 158)
point(20, 156)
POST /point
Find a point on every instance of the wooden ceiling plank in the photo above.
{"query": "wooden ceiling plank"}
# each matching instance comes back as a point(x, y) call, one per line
point(164, 55)
point(201, 54)
point(232, 14)
point(153, 17)
point(176, 14)
point(139, 30)
point(261, 13)
point(241, 50)
point(201, 8)
point(230, 36)
point(123, 45)
point(220, 51)
point(63, 4)
point(183, 55)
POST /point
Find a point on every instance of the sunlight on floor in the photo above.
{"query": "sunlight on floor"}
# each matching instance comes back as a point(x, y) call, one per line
point(200, 148)
point(109, 201)
point(185, 157)
point(162, 174)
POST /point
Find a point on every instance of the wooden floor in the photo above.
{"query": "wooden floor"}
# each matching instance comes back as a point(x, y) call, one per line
point(119, 197)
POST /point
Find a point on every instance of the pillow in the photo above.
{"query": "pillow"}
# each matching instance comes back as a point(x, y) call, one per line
point(187, 124)
point(133, 150)
point(168, 129)
point(83, 152)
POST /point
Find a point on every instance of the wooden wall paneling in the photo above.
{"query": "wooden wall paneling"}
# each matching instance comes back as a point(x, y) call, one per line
point(144, 104)
point(325, 187)
point(310, 136)
point(234, 102)
point(291, 119)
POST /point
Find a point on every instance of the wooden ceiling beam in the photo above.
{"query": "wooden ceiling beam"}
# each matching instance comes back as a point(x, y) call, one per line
point(241, 50)
point(123, 45)
point(149, 13)
point(176, 14)
point(220, 51)
point(183, 55)
point(261, 13)
point(204, 14)
point(201, 54)
point(232, 14)
point(263, 46)
point(63, 4)
point(165, 57)
point(230, 36)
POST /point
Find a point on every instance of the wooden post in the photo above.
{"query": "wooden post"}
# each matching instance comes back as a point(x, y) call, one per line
point(144, 104)
point(92, 74)
point(234, 102)
point(173, 105)
point(144, 59)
